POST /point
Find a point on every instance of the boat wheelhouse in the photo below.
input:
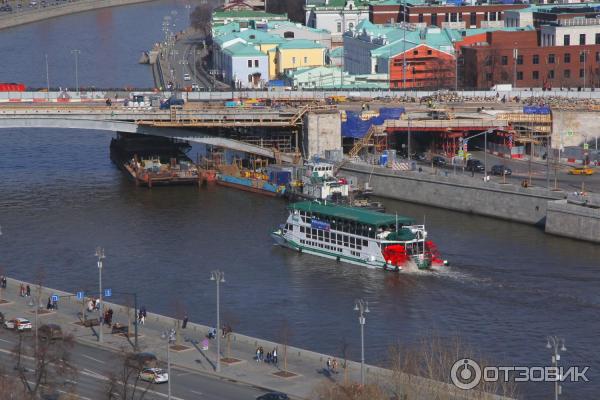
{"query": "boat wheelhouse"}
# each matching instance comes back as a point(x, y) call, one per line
point(357, 236)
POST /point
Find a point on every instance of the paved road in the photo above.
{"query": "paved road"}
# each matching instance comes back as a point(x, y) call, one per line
point(94, 365)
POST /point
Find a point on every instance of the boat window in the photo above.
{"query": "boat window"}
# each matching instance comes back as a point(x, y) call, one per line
point(365, 243)
point(320, 234)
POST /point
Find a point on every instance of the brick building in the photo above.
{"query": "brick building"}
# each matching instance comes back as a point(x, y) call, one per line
point(521, 58)
point(442, 15)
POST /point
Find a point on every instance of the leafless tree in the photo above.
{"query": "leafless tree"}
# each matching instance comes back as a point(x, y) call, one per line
point(285, 334)
point(125, 383)
point(350, 391)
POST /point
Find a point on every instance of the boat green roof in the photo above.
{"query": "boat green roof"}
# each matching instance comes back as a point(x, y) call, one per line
point(355, 214)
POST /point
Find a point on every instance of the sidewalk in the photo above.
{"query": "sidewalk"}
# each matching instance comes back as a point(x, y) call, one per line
point(238, 364)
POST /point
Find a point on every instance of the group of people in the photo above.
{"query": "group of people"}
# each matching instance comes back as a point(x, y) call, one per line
point(269, 358)
point(51, 305)
point(332, 365)
point(93, 305)
point(24, 291)
point(108, 315)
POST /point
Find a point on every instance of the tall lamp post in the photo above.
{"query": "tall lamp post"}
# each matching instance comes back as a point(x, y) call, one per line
point(218, 277)
point(101, 257)
point(557, 345)
point(169, 336)
point(76, 53)
point(362, 307)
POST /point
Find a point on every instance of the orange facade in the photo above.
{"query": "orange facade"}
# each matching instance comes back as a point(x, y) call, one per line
point(426, 68)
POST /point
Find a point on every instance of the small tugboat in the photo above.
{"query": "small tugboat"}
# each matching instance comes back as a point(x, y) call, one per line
point(357, 236)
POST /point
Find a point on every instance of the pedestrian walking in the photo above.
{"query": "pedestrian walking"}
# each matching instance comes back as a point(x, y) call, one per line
point(257, 354)
point(49, 305)
point(28, 291)
point(261, 352)
point(22, 290)
point(275, 356)
point(334, 364)
point(4, 282)
point(328, 364)
point(185, 321)
point(141, 317)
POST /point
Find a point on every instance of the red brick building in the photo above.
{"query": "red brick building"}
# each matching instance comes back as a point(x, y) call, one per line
point(467, 16)
point(426, 68)
point(518, 58)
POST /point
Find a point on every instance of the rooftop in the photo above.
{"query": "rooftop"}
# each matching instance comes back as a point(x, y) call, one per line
point(243, 50)
point(357, 215)
point(300, 44)
point(249, 36)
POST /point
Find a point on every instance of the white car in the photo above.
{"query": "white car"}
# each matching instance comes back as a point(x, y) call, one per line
point(195, 87)
point(19, 324)
point(154, 375)
point(186, 77)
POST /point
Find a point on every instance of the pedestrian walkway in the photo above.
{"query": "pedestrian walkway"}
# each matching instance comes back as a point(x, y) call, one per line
point(192, 349)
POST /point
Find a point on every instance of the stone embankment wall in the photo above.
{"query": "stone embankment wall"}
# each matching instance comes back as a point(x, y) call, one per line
point(456, 192)
point(574, 221)
point(28, 16)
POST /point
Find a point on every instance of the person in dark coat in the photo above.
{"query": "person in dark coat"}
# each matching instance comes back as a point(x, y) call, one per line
point(185, 321)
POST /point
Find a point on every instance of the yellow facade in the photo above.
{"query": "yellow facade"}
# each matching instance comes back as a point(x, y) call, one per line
point(291, 58)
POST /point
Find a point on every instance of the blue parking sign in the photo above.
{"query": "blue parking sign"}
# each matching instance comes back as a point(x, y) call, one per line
point(80, 295)
point(107, 292)
point(54, 298)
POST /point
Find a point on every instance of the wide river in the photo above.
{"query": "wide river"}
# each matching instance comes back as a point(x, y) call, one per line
point(509, 285)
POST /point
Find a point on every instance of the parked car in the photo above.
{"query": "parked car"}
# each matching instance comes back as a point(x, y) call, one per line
point(420, 157)
point(439, 161)
point(195, 87)
point(581, 171)
point(186, 77)
point(154, 375)
point(18, 324)
point(500, 170)
point(273, 396)
point(475, 165)
point(50, 332)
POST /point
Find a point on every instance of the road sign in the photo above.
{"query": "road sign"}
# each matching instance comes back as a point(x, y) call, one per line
point(586, 146)
point(54, 298)
point(570, 132)
point(461, 153)
point(107, 292)
point(80, 295)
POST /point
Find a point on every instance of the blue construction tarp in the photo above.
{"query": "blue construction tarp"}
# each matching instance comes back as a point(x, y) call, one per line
point(356, 128)
point(542, 110)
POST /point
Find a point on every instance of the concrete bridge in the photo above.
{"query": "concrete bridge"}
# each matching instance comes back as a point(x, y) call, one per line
point(190, 124)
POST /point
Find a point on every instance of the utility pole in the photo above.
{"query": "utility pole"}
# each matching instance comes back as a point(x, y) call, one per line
point(362, 307)
point(76, 53)
point(169, 336)
point(101, 256)
point(557, 345)
point(47, 78)
point(218, 277)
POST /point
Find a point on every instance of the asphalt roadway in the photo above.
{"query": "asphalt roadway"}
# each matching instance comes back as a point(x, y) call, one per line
point(94, 365)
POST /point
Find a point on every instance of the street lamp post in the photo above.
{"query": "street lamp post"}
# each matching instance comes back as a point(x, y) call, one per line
point(218, 277)
point(76, 53)
point(557, 345)
point(47, 80)
point(101, 256)
point(362, 307)
point(169, 336)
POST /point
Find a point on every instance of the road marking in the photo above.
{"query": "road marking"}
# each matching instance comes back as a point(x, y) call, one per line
point(6, 341)
point(198, 393)
point(93, 359)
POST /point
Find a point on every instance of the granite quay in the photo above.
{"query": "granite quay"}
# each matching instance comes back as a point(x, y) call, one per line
point(298, 371)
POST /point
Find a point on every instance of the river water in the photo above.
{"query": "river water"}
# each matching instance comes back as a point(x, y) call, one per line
point(509, 285)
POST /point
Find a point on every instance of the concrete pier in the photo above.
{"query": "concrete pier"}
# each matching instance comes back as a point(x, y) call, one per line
point(573, 221)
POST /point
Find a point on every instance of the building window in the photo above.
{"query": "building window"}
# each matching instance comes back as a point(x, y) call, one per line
point(256, 63)
point(249, 63)
point(415, 52)
point(582, 56)
point(597, 38)
point(567, 73)
point(305, 60)
point(520, 60)
point(551, 74)
point(250, 78)
point(582, 39)
point(488, 76)
point(420, 17)
point(339, 27)
point(581, 73)
point(567, 40)
point(551, 59)
point(473, 19)
point(519, 75)
point(493, 16)
point(597, 56)
point(434, 19)
point(351, 26)
point(567, 58)
point(288, 35)
point(536, 59)
point(504, 60)
point(535, 75)
point(485, 16)
point(294, 60)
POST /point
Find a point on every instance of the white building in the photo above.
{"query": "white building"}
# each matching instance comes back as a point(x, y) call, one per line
point(336, 16)
point(571, 32)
